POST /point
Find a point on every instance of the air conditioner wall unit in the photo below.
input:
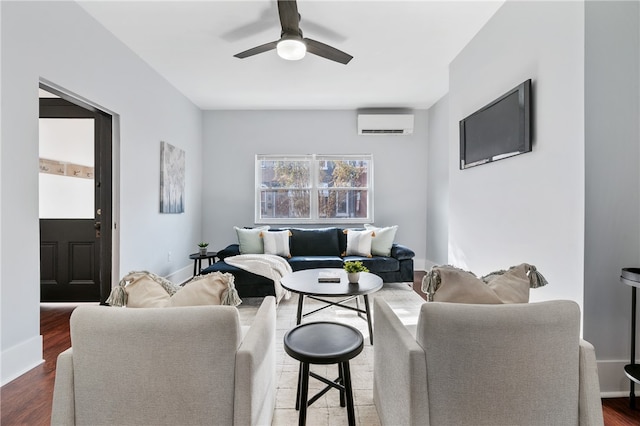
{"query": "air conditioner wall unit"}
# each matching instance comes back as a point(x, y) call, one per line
point(385, 124)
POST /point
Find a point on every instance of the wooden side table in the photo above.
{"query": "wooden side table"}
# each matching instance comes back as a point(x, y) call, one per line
point(631, 277)
point(197, 260)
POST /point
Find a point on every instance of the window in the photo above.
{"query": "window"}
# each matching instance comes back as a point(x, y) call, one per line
point(314, 188)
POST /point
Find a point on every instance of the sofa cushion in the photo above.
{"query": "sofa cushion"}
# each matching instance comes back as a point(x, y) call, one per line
point(381, 244)
point(277, 243)
point(359, 242)
point(376, 263)
point(315, 242)
point(299, 263)
point(249, 239)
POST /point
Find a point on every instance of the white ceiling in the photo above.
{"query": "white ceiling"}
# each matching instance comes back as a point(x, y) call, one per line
point(401, 49)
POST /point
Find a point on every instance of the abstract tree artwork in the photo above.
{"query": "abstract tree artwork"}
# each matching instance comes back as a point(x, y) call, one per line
point(172, 171)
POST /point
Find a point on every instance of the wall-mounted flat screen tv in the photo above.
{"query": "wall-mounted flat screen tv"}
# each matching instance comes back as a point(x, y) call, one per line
point(499, 130)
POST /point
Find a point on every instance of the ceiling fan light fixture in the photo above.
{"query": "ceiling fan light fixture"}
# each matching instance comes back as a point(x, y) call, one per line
point(291, 49)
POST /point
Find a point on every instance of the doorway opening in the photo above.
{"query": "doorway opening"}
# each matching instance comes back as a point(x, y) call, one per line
point(75, 199)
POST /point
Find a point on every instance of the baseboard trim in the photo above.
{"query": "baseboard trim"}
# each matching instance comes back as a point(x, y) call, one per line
point(21, 358)
point(181, 276)
point(613, 382)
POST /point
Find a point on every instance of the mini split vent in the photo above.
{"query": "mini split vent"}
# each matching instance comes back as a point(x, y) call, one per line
point(385, 124)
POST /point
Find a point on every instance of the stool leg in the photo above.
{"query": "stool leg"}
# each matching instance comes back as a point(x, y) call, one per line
point(299, 387)
point(341, 379)
point(351, 416)
point(304, 394)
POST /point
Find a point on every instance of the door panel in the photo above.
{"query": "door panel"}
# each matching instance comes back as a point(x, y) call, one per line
point(75, 259)
point(69, 261)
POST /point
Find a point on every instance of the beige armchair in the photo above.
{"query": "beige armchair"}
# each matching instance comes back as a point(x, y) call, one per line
point(513, 364)
point(167, 366)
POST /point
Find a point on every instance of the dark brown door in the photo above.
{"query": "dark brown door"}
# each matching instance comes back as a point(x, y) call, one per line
point(69, 261)
point(75, 252)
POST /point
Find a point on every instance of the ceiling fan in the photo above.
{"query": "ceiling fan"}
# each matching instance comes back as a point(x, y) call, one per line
point(292, 45)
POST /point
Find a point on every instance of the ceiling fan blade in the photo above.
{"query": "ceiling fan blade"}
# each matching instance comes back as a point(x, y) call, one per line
point(265, 21)
point(256, 50)
point(327, 51)
point(289, 17)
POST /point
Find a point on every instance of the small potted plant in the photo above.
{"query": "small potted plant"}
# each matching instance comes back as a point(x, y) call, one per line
point(203, 248)
point(353, 269)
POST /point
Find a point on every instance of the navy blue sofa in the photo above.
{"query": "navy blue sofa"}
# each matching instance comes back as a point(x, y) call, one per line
point(317, 248)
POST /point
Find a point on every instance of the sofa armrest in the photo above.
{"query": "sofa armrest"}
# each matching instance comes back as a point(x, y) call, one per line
point(590, 405)
point(399, 371)
point(255, 387)
point(63, 407)
point(228, 251)
point(401, 252)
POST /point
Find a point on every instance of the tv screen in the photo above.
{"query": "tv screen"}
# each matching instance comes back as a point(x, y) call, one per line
point(499, 130)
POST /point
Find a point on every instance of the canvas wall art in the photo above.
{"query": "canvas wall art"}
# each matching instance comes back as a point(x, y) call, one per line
point(172, 171)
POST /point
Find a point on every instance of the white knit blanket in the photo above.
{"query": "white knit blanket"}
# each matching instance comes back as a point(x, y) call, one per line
point(268, 265)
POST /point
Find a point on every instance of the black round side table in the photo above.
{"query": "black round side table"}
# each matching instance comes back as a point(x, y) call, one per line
point(324, 343)
point(631, 277)
point(197, 260)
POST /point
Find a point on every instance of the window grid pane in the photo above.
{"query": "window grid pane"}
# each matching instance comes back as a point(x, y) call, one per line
point(308, 189)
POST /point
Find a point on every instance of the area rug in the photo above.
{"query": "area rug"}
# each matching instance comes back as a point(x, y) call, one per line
point(326, 410)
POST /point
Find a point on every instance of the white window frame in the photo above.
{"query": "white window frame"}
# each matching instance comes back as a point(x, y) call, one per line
point(315, 165)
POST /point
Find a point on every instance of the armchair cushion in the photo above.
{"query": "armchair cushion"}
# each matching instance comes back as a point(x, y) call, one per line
point(211, 289)
point(450, 284)
point(146, 290)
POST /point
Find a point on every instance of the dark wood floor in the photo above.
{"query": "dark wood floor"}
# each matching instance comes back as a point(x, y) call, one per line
point(27, 399)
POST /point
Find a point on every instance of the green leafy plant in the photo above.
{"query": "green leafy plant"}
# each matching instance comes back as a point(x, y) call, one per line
point(203, 245)
point(354, 266)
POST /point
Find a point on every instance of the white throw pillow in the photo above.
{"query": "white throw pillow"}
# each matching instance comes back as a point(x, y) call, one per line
point(359, 242)
point(381, 244)
point(276, 242)
point(249, 239)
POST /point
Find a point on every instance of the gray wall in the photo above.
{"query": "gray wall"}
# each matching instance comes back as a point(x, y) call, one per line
point(612, 180)
point(528, 208)
point(233, 138)
point(438, 183)
point(600, 162)
point(59, 42)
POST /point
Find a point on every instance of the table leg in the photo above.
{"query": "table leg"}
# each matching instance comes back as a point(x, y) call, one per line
point(300, 306)
point(368, 310)
point(195, 266)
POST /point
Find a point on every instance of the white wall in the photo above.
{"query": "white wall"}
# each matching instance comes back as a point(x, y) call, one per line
point(58, 42)
point(233, 138)
point(528, 208)
point(438, 183)
point(612, 198)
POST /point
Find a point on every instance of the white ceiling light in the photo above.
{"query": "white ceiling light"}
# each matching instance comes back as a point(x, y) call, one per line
point(291, 48)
